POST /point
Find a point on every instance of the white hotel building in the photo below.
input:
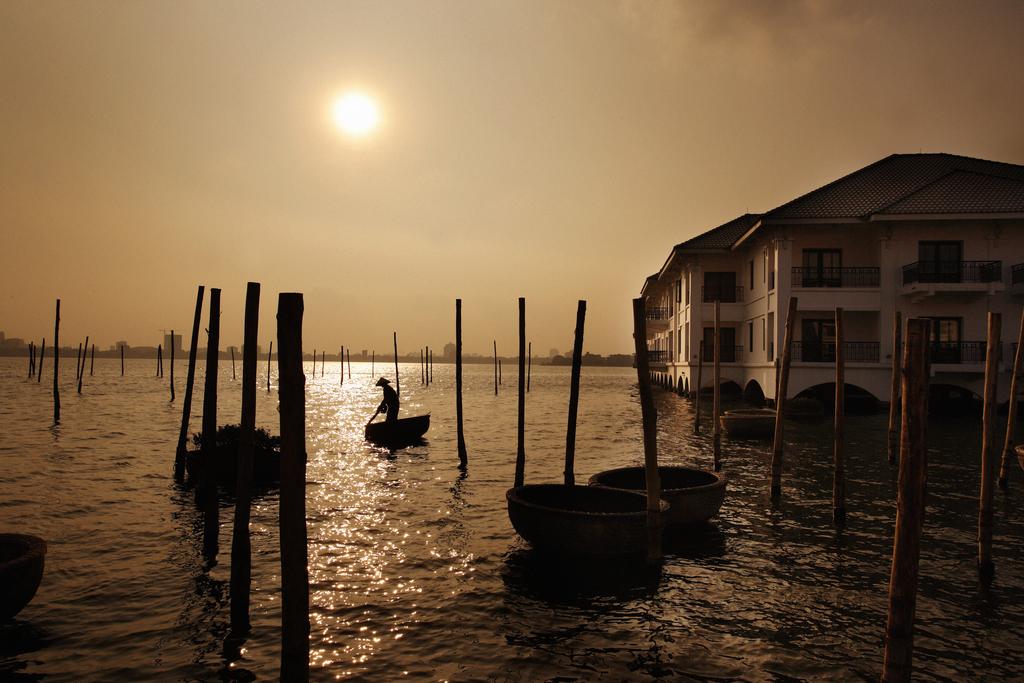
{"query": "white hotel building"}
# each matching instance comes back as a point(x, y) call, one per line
point(928, 235)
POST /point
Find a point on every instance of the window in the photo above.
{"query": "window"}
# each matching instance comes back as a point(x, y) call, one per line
point(944, 338)
point(750, 335)
point(939, 261)
point(818, 343)
point(751, 273)
point(764, 334)
point(726, 341)
point(686, 343)
point(720, 287)
point(686, 286)
point(679, 290)
point(822, 268)
point(764, 273)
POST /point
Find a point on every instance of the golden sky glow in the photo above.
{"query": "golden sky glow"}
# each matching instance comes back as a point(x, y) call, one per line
point(552, 150)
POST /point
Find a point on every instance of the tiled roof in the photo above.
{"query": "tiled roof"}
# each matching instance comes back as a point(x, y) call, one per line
point(722, 237)
point(894, 179)
point(963, 192)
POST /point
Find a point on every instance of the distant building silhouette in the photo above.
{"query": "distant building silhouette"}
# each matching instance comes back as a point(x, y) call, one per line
point(449, 350)
point(174, 342)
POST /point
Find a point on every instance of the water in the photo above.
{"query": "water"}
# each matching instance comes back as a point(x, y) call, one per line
point(416, 572)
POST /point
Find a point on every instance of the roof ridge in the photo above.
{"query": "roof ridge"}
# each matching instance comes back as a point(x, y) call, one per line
point(834, 182)
point(917, 189)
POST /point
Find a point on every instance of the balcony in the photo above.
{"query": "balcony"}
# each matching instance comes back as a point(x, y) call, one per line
point(1017, 278)
point(657, 358)
point(835, 277)
point(958, 353)
point(658, 318)
point(926, 278)
point(825, 352)
point(729, 354)
point(725, 295)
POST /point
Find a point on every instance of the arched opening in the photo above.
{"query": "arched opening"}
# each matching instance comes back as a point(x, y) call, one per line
point(753, 394)
point(857, 400)
point(681, 387)
point(949, 399)
point(729, 389)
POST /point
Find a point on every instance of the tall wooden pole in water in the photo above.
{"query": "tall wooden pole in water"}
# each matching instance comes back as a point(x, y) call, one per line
point(574, 394)
point(92, 361)
point(241, 548)
point(650, 428)
point(1011, 417)
point(521, 412)
point(42, 356)
point(186, 407)
point(81, 368)
point(431, 366)
point(56, 365)
point(529, 366)
point(270, 354)
point(700, 381)
point(294, 553)
point(398, 382)
point(910, 502)
point(323, 362)
point(159, 360)
point(423, 372)
point(780, 401)
point(122, 360)
point(716, 402)
point(233, 375)
point(463, 460)
point(313, 374)
point(172, 365)
point(341, 367)
point(348, 357)
point(838, 437)
point(207, 480)
point(495, 367)
point(31, 359)
point(986, 567)
point(894, 391)
point(78, 360)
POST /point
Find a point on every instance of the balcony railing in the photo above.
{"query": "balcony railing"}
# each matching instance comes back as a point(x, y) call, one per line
point(825, 352)
point(1017, 274)
point(658, 313)
point(725, 295)
point(835, 277)
point(958, 352)
point(729, 354)
point(952, 271)
point(657, 356)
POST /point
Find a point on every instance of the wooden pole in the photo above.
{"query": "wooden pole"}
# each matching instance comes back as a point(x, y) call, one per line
point(495, 367)
point(56, 365)
point(294, 553)
point(521, 407)
point(700, 381)
point(313, 374)
point(780, 402)
point(92, 361)
point(172, 365)
point(431, 366)
point(341, 367)
point(31, 360)
point(323, 362)
point(241, 548)
point(894, 390)
point(838, 437)
point(348, 357)
point(233, 375)
point(910, 504)
point(574, 394)
point(398, 382)
point(42, 357)
point(122, 360)
point(529, 367)
point(463, 460)
point(207, 480)
point(650, 429)
point(986, 567)
point(78, 360)
point(81, 368)
point(1011, 416)
point(270, 354)
point(423, 372)
point(716, 402)
point(186, 408)
point(159, 360)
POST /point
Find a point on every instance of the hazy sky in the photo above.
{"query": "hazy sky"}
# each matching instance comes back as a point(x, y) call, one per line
point(552, 150)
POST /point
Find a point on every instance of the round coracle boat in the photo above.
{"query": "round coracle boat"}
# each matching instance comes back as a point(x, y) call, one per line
point(693, 495)
point(749, 422)
point(580, 520)
point(21, 569)
point(1019, 450)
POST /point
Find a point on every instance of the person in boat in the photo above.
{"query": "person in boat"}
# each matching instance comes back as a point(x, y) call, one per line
point(389, 406)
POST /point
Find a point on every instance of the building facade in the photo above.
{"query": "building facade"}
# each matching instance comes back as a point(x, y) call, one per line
point(926, 235)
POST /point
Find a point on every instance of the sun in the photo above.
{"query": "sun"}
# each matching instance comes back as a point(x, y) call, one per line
point(355, 114)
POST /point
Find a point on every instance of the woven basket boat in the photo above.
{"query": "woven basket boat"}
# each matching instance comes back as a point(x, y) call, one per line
point(693, 495)
point(22, 558)
point(580, 520)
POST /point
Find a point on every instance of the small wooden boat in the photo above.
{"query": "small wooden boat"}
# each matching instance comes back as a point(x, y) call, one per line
point(580, 520)
point(22, 558)
point(693, 495)
point(405, 431)
point(748, 422)
point(1019, 450)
